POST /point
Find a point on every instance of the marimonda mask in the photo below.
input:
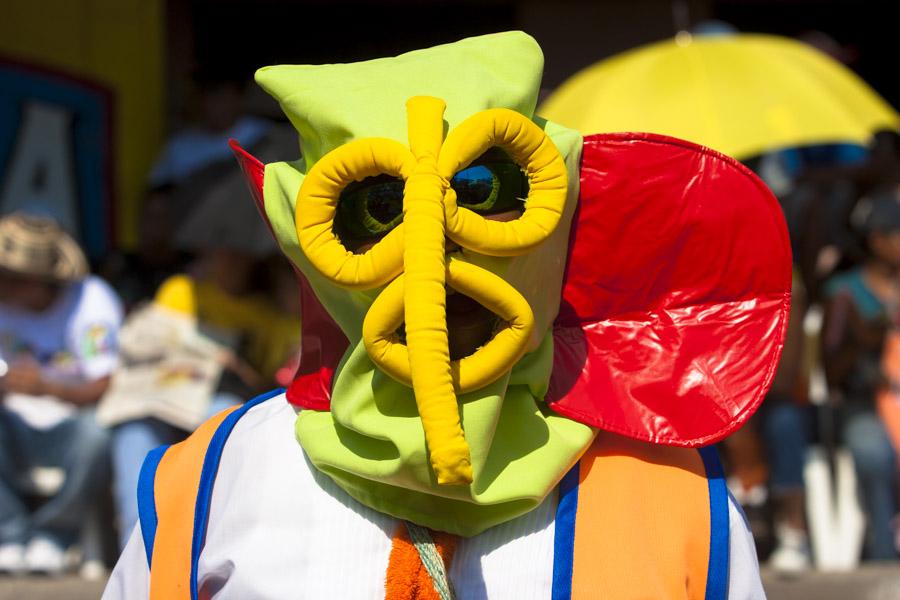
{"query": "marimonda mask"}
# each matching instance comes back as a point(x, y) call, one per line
point(412, 258)
point(377, 219)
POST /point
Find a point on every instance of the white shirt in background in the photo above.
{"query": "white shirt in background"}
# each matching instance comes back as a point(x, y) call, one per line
point(73, 341)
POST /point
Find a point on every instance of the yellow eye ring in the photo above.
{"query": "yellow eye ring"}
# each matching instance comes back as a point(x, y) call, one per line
point(533, 150)
point(317, 204)
point(485, 365)
point(411, 259)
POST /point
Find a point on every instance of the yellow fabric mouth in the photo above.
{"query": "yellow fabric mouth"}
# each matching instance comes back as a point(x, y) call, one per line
point(412, 258)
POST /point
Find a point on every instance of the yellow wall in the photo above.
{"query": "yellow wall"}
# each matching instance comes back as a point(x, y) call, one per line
point(116, 43)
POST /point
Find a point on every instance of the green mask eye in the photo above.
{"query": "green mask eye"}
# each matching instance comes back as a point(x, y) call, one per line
point(368, 210)
point(492, 184)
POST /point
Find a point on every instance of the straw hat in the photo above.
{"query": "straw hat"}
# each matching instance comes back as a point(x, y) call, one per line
point(37, 246)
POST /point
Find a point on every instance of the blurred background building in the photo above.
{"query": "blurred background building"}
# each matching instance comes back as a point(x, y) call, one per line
point(109, 79)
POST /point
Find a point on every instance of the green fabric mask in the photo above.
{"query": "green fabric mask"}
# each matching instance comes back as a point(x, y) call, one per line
point(372, 442)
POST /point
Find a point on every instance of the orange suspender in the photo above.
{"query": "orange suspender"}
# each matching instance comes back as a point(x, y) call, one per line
point(178, 479)
point(641, 525)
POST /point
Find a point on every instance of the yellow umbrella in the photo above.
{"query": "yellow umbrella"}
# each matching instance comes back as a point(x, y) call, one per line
point(739, 94)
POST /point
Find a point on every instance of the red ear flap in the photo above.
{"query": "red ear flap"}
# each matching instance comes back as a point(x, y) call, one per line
point(677, 292)
point(322, 341)
point(254, 172)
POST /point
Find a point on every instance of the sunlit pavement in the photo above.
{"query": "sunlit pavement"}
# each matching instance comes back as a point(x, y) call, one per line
point(871, 582)
point(44, 588)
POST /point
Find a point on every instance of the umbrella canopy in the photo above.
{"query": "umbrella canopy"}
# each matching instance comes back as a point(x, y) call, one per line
point(739, 94)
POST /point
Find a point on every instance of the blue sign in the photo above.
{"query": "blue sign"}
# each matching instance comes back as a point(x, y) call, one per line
point(55, 151)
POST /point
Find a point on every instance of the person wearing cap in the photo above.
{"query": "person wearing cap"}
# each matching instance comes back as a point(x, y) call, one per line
point(58, 328)
point(862, 309)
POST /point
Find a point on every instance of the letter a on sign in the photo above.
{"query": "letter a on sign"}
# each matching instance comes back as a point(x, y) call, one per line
point(39, 172)
point(55, 154)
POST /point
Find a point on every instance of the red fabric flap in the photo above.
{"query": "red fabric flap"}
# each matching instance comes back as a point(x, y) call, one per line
point(322, 341)
point(676, 296)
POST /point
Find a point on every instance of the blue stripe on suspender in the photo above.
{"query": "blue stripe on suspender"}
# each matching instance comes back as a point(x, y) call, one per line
point(208, 476)
point(564, 535)
point(719, 544)
point(146, 499)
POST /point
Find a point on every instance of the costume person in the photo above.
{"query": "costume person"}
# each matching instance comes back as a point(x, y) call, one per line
point(496, 398)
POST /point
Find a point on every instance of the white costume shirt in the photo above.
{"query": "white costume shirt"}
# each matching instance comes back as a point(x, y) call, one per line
point(280, 529)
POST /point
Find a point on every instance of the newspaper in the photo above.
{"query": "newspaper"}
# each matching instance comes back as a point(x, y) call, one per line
point(168, 370)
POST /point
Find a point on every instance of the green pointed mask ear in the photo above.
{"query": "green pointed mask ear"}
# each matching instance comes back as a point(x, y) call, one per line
point(333, 104)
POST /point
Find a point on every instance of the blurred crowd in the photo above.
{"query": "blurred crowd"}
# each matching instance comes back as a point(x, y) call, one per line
point(94, 366)
point(817, 463)
point(205, 281)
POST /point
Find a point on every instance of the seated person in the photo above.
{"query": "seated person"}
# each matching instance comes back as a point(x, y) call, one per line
point(261, 339)
point(58, 329)
point(138, 273)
